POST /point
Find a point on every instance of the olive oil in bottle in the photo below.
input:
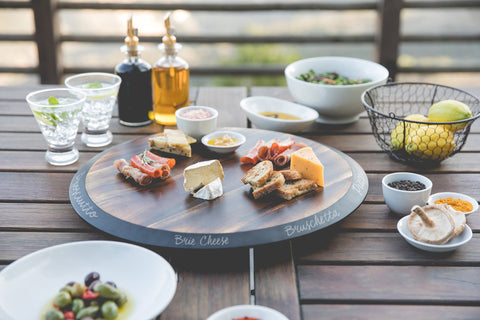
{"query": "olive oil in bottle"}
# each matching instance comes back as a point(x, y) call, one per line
point(135, 93)
point(170, 79)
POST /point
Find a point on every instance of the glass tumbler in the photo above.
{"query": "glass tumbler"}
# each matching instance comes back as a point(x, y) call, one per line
point(57, 112)
point(101, 90)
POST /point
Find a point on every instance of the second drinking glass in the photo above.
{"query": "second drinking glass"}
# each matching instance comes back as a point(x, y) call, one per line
point(101, 90)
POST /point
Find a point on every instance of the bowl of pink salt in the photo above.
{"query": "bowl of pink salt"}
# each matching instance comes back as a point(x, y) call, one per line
point(196, 121)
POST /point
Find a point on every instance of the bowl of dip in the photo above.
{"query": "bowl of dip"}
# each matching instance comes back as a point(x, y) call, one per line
point(196, 121)
point(277, 114)
point(223, 141)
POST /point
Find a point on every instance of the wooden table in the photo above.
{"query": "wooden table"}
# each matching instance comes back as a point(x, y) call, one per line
point(359, 269)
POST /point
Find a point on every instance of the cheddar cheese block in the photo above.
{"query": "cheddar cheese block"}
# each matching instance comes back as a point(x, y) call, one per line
point(307, 164)
point(172, 141)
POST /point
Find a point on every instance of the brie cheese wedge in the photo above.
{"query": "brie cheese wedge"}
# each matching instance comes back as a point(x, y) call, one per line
point(200, 174)
point(211, 191)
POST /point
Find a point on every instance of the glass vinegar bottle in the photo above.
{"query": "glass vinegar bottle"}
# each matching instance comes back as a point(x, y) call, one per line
point(170, 79)
point(135, 93)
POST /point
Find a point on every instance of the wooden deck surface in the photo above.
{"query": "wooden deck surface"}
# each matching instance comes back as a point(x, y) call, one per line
point(359, 269)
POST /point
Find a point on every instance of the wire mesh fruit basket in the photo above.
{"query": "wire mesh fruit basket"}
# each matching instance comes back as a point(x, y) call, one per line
point(402, 120)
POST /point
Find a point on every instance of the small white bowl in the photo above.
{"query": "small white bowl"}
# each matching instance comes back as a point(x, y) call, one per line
point(253, 106)
point(336, 104)
point(454, 195)
point(251, 311)
point(196, 128)
point(223, 149)
point(401, 201)
point(453, 244)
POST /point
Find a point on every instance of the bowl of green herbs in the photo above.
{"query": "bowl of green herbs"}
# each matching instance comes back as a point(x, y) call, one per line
point(333, 85)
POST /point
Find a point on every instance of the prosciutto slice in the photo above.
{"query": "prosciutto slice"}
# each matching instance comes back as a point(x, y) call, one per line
point(252, 155)
point(128, 171)
point(283, 158)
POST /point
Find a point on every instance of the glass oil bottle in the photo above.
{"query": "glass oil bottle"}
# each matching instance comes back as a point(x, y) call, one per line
point(170, 79)
point(135, 93)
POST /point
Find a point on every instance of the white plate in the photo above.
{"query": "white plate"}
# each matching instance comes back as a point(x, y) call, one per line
point(223, 149)
point(254, 105)
point(453, 244)
point(252, 311)
point(454, 195)
point(148, 279)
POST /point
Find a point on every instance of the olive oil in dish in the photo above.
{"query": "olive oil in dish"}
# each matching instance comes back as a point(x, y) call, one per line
point(135, 94)
point(279, 115)
point(170, 79)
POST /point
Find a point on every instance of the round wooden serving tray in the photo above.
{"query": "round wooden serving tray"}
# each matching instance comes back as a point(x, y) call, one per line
point(164, 214)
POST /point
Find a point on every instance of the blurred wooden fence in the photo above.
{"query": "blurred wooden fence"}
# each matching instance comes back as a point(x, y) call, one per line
point(387, 37)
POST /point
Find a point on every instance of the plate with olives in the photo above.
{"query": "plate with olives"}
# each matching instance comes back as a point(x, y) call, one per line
point(78, 280)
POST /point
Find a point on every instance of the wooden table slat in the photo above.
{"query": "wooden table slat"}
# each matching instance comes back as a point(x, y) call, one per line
point(390, 284)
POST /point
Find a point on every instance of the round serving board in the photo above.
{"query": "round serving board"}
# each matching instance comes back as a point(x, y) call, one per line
point(164, 214)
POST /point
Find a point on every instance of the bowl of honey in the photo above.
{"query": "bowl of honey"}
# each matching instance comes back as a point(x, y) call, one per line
point(277, 114)
point(223, 141)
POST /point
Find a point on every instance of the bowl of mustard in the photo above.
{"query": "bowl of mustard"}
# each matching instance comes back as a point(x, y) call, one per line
point(277, 114)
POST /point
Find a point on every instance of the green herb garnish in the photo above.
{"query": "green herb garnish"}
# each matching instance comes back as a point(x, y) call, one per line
point(145, 159)
point(52, 119)
point(52, 101)
point(94, 85)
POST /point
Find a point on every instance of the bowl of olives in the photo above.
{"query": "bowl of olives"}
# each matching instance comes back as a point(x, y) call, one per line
point(87, 280)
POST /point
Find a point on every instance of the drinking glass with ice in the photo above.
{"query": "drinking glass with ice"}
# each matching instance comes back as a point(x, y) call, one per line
point(101, 90)
point(57, 112)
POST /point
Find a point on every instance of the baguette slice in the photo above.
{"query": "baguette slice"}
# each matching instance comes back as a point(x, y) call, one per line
point(258, 175)
point(291, 174)
point(292, 189)
point(275, 181)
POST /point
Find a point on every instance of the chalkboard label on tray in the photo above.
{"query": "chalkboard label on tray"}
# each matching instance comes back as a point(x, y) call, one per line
point(206, 240)
point(312, 224)
point(76, 195)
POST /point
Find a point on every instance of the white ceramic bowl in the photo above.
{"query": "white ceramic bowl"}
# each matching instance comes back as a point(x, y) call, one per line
point(148, 279)
point(253, 106)
point(196, 128)
point(223, 149)
point(251, 311)
point(401, 201)
point(454, 195)
point(336, 104)
point(453, 244)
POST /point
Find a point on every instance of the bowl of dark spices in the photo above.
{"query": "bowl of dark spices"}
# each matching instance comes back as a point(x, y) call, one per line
point(403, 190)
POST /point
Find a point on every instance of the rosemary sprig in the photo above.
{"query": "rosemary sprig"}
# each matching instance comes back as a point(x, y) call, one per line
point(146, 159)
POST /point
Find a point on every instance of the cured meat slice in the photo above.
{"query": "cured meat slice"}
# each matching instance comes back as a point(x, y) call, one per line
point(283, 158)
point(128, 171)
point(252, 155)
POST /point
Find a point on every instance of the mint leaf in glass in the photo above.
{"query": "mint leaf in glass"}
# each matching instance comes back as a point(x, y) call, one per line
point(52, 101)
point(94, 85)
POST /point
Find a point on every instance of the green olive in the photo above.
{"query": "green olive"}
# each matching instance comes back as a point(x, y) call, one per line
point(54, 315)
point(62, 299)
point(109, 310)
point(106, 291)
point(122, 299)
point(67, 289)
point(88, 312)
point(77, 290)
point(77, 305)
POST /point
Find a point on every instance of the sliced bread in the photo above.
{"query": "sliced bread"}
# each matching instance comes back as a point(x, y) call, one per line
point(275, 181)
point(292, 189)
point(291, 174)
point(258, 175)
